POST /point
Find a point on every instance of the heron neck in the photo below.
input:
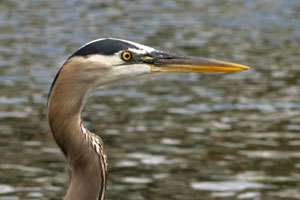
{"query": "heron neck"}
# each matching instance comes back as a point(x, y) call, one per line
point(64, 114)
point(65, 105)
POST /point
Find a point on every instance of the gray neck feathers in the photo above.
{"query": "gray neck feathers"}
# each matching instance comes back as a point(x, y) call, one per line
point(83, 150)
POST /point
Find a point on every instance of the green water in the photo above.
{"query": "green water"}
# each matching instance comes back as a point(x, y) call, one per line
point(174, 136)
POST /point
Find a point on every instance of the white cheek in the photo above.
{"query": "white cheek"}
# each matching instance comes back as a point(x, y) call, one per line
point(121, 72)
point(130, 71)
point(105, 60)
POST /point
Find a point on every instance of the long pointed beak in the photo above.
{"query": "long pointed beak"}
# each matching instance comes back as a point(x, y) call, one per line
point(163, 63)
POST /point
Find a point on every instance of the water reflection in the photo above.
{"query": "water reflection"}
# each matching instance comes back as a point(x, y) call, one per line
point(227, 186)
point(136, 180)
point(6, 189)
point(178, 136)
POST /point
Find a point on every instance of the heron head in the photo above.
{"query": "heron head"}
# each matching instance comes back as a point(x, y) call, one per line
point(109, 59)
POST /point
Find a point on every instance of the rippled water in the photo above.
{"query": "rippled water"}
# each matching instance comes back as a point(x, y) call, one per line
point(176, 136)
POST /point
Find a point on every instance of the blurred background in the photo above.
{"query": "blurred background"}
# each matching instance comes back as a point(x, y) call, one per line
point(174, 136)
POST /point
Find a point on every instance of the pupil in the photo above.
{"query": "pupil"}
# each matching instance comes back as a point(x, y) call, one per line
point(127, 55)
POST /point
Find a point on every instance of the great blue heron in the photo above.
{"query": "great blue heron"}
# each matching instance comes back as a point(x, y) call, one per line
point(95, 63)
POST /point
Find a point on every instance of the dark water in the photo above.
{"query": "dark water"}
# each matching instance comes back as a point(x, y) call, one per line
point(176, 136)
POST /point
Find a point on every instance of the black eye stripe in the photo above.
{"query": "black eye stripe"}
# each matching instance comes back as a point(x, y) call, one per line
point(107, 46)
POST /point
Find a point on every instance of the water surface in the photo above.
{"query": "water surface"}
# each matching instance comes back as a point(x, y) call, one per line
point(176, 136)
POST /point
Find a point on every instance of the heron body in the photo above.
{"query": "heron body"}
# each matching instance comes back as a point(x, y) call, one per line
point(96, 63)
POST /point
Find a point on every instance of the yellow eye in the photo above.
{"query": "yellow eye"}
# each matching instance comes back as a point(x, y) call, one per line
point(126, 55)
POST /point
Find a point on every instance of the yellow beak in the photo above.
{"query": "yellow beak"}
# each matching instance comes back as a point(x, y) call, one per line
point(193, 64)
